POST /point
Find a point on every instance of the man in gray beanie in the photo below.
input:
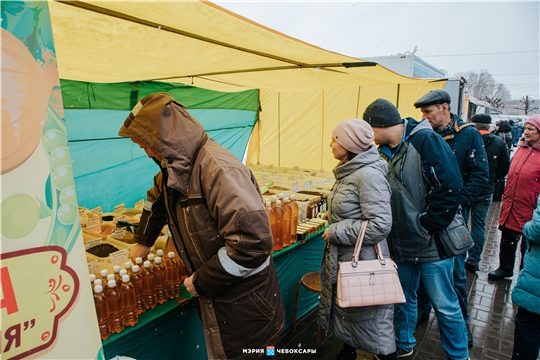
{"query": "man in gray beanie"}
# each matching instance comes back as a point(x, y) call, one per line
point(423, 204)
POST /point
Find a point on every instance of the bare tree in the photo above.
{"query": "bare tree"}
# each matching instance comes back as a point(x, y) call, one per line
point(483, 86)
point(526, 105)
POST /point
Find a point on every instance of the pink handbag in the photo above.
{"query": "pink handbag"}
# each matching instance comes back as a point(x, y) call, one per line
point(368, 282)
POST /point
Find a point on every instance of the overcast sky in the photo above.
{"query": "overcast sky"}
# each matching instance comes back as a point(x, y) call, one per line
point(502, 37)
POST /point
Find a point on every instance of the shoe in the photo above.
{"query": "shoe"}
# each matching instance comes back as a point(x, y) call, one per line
point(422, 318)
point(469, 336)
point(471, 267)
point(346, 355)
point(500, 274)
point(403, 353)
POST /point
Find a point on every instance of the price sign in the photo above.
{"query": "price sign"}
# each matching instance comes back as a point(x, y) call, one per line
point(119, 234)
point(308, 184)
point(120, 209)
point(93, 225)
point(97, 211)
point(119, 257)
point(296, 187)
point(139, 204)
point(91, 243)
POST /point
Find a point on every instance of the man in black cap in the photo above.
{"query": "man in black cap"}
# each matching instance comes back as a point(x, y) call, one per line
point(499, 163)
point(423, 203)
point(466, 143)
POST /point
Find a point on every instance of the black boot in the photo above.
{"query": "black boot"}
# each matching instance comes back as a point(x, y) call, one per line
point(347, 353)
point(507, 255)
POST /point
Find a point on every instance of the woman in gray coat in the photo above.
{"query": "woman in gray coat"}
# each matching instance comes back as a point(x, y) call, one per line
point(360, 192)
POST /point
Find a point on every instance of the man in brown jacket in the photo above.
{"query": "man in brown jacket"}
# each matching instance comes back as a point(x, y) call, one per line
point(219, 226)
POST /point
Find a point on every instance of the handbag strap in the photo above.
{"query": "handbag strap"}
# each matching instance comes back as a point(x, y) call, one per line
point(358, 246)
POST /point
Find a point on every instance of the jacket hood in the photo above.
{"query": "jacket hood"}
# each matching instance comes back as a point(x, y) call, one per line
point(370, 157)
point(169, 130)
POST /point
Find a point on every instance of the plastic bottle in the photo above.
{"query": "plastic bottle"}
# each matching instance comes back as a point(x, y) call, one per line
point(151, 258)
point(287, 218)
point(294, 219)
point(114, 307)
point(123, 272)
point(172, 277)
point(92, 279)
point(309, 210)
point(129, 302)
point(103, 275)
point(102, 314)
point(273, 200)
point(98, 282)
point(139, 262)
point(117, 276)
point(159, 253)
point(272, 219)
point(128, 265)
point(278, 214)
point(160, 281)
point(137, 281)
point(149, 288)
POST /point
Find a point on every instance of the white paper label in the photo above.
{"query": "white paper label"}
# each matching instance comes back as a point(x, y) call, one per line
point(91, 269)
point(119, 257)
point(291, 178)
point(308, 184)
point(278, 178)
point(296, 187)
point(320, 181)
point(97, 211)
point(119, 234)
point(116, 218)
point(91, 243)
point(301, 176)
point(120, 209)
point(93, 225)
point(264, 180)
point(139, 204)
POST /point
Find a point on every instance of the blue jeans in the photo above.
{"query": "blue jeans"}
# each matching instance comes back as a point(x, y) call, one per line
point(479, 211)
point(438, 281)
point(526, 335)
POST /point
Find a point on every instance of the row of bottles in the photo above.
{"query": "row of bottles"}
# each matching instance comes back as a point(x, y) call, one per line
point(131, 291)
point(283, 221)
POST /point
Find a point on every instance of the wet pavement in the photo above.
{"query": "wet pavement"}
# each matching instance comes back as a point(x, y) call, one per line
point(490, 306)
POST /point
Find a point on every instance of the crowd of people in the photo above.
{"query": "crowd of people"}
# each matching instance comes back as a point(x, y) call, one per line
point(409, 179)
point(436, 170)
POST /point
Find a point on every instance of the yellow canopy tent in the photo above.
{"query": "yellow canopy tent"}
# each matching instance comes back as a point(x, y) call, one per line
point(304, 90)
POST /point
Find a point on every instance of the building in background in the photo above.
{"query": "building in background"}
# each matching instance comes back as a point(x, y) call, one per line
point(408, 64)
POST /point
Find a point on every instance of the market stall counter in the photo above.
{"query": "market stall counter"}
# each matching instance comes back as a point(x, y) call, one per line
point(172, 331)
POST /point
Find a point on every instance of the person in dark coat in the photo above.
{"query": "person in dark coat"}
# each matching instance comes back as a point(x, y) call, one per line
point(504, 131)
point(426, 187)
point(468, 148)
point(499, 163)
point(517, 131)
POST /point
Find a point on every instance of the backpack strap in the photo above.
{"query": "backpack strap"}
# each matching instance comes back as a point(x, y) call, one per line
point(456, 130)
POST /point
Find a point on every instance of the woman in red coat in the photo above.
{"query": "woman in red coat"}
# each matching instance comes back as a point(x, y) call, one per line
point(519, 199)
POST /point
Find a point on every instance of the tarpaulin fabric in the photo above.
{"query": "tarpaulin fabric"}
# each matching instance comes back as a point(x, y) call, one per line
point(304, 90)
point(95, 112)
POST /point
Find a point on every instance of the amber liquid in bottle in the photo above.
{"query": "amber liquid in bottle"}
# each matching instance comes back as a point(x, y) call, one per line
point(278, 214)
point(102, 314)
point(114, 307)
point(149, 288)
point(172, 276)
point(160, 281)
point(129, 302)
point(294, 219)
point(137, 281)
point(287, 219)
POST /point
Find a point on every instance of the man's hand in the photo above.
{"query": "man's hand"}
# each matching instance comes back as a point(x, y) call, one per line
point(139, 250)
point(188, 283)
